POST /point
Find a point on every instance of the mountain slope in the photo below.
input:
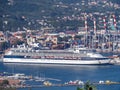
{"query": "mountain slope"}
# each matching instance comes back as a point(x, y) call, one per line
point(34, 14)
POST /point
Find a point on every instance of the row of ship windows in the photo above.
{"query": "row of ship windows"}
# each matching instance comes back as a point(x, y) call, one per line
point(52, 57)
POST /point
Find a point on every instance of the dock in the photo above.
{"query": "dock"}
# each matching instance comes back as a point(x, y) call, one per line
point(67, 85)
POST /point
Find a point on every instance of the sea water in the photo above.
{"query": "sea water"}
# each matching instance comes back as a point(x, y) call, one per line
point(62, 73)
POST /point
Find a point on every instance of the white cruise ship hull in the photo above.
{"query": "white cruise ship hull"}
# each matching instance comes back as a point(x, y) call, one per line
point(52, 61)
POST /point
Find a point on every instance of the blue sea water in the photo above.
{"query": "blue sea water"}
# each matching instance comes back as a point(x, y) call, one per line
point(67, 73)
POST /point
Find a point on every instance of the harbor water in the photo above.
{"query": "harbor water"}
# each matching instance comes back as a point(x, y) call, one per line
point(62, 73)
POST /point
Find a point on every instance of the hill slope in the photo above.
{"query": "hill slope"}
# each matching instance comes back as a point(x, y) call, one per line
point(34, 14)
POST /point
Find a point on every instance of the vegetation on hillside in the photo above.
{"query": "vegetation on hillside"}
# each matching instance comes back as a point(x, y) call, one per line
point(34, 14)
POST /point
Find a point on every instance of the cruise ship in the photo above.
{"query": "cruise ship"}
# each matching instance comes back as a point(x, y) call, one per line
point(72, 56)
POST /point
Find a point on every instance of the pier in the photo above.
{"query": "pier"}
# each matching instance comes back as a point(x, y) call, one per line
point(68, 85)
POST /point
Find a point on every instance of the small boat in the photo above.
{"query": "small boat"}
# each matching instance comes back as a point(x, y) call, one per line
point(115, 59)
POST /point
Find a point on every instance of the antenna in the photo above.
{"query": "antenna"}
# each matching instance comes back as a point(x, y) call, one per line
point(85, 41)
point(104, 21)
point(114, 21)
point(94, 26)
point(85, 23)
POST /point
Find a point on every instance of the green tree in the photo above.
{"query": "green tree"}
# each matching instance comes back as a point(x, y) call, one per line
point(78, 88)
point(4, 46)
point(87, 86)
point(5, 82)
point(10, 88)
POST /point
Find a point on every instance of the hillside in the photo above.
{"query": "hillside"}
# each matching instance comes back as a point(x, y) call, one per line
point(34, 14)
